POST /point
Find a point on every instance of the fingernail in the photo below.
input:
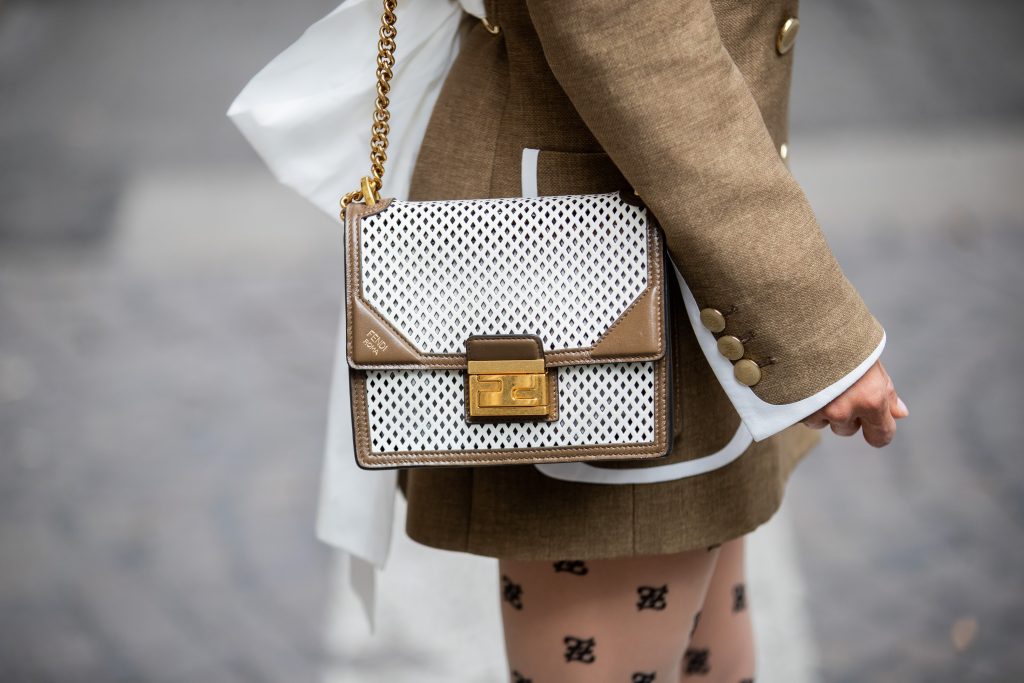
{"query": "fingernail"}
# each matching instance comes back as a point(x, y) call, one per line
point(902, 405)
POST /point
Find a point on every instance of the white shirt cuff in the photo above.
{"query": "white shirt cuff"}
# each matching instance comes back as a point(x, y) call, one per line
point(761, 418)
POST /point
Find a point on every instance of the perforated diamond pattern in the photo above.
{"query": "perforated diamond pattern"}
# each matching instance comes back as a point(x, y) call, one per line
point(563, 268)
point(422, 410)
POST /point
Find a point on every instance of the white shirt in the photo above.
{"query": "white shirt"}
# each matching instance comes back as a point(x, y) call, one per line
point(307, 114)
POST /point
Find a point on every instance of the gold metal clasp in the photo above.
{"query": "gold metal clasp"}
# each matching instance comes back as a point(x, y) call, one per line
point(368, 193)
point(507, 388)
point(369, 190)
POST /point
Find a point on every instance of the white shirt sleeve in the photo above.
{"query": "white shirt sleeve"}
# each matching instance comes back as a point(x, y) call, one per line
point(761, 418)
point(307, 114)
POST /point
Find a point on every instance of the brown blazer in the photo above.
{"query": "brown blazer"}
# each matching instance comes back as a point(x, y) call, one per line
point(684, 101)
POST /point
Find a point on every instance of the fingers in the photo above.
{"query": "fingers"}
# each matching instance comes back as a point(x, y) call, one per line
point(838, 415)
point(875, 411)
point(897, 408)
point(816, 420)
point(880, 433)
point(871, 405)
point(841, 417)
point(846, 428)
point(879, 415)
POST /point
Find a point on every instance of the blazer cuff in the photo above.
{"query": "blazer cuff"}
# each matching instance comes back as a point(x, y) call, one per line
point(761, 418)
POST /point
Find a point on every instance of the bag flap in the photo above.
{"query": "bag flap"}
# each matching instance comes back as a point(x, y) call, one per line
point(582, 272)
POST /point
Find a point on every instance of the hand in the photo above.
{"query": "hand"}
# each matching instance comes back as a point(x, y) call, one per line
point(871, 402)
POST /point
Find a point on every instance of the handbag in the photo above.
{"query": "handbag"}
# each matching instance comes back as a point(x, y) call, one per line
point(518, 330)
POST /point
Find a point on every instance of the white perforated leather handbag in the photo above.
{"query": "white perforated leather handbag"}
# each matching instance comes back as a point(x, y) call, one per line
point(515, 330)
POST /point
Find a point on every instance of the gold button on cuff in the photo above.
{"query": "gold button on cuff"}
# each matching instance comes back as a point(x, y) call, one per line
point(712, 319)
point(747, 372)
point(787, 35)
point(730, 347)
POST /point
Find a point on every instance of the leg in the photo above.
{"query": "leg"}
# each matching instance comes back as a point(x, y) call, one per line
point(722, 646)
point(602, 621)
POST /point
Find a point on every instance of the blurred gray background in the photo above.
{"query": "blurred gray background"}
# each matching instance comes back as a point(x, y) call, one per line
point(167, 314)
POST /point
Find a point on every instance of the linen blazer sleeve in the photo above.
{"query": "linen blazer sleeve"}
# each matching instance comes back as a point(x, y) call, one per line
point(657, 88)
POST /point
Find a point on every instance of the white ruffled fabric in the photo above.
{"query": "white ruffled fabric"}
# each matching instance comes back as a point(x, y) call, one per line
point(308, 115)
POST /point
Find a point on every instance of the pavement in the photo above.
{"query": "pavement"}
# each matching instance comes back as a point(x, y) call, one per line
point(167, 315)
point(913, 553)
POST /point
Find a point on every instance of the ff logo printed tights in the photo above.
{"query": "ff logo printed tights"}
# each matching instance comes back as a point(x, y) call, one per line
point(656, 619)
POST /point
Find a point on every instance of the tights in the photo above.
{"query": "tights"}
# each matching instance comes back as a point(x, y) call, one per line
point(678, 618)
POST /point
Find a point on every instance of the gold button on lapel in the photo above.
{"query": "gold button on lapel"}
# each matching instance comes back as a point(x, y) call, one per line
point(787, 35)
point(747, 372)
point(730, 347)
point(712, 319)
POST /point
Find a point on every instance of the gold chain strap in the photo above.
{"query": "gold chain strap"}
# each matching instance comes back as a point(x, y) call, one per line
point(370, 186)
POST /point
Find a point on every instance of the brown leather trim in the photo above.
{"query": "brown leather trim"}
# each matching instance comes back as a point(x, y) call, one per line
point(357, 210)
point(658, 448)
point(504, 347)
point(636, 330)
point(555, 357)
point(373, 340)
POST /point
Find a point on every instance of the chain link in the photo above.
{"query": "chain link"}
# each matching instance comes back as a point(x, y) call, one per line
point(370, 187)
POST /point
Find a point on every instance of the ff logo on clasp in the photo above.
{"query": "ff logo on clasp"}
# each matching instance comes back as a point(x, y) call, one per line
point(507, 388)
